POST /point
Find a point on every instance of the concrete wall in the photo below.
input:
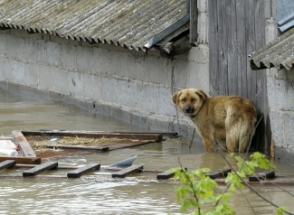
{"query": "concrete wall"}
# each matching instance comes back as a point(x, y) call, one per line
point(128, 85)
point(280, 88)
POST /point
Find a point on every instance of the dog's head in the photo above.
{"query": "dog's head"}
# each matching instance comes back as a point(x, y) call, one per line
point(189, 101)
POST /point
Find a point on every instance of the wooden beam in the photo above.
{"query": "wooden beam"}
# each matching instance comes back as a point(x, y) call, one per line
point(121, 135)
point(6, 164)
point(123, 173)
point(24, 160)
point(82, 170)
point(218, 173)
point(165, 175)
point(40, 168)
point(78, 147)
point(262, 175)
point(25, 147)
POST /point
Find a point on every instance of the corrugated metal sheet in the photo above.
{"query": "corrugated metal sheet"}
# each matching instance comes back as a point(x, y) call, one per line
point(285, 14)
point(279, 53)
point(128, 23)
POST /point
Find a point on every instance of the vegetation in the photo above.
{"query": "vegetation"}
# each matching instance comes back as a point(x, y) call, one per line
point(196, 191)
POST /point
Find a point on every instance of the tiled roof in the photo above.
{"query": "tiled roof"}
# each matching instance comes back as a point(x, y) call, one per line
point(279, 53)
point(128, 23)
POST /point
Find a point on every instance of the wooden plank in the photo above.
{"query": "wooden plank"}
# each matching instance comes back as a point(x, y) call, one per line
point(241, 49)
point(82, 170)
point(223, 47)
point(232, 47)
point(165, 175)
point(6, 164)
point(218, 173)
point(25, 147)
point(123, 173)
point(213, 47)
point(125, 144)
point(79, 147)
point(262, 175)
point(139, 136)
point(24, 160)
point(40, 168)
point(170, 134)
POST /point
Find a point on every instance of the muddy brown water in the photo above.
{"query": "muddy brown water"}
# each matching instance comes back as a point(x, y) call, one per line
point(98, 193)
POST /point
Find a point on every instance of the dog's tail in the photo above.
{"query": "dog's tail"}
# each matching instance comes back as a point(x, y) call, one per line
point(245, 134)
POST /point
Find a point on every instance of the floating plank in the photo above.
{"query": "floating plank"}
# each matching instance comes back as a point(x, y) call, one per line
point(6, 164)
point(25, 147)
point(123, 173)
point(262, 175)
point(24, 160)
point(170, 134)
point(78, 147)
point(218, 173)
point(40, 168)
point(165, 175)
point(82, 170)
point(139, 136)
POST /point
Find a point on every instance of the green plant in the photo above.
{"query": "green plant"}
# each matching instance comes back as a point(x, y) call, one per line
point(195, 190)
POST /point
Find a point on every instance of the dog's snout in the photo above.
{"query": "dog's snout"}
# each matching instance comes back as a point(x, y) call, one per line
point(188, 109)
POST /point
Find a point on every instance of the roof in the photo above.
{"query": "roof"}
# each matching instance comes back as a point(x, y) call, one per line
point(279, 53)
point(127, 23)
point(285, 14)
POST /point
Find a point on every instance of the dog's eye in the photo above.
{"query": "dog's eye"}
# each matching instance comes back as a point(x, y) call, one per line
point(184, 100)
point(193, 100)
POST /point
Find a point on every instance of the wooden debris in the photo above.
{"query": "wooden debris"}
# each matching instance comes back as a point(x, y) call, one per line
point(25, 147)
point(40, 168)
point(123, 173)
point(82, 170)
point(218, 173)
point(262, 175)
point(6, 164)
point(24, 160)
point(139, 136)
point(102, 149)
point(165, 175)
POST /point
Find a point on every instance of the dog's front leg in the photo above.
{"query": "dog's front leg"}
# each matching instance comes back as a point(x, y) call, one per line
point(208, 144)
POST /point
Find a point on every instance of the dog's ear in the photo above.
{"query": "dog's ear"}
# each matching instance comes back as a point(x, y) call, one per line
point(201, 94)
point(176, 96)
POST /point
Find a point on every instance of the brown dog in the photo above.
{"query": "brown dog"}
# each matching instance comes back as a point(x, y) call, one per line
point(228, 119)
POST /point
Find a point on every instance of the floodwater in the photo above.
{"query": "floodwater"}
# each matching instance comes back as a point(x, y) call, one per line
point(99, 194)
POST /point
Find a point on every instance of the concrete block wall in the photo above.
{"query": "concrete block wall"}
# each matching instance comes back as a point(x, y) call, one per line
point(280, 85)
point(128, 85)
point(280, 88)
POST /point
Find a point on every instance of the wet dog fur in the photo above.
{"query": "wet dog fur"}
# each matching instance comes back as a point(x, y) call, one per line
point(228, 119)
